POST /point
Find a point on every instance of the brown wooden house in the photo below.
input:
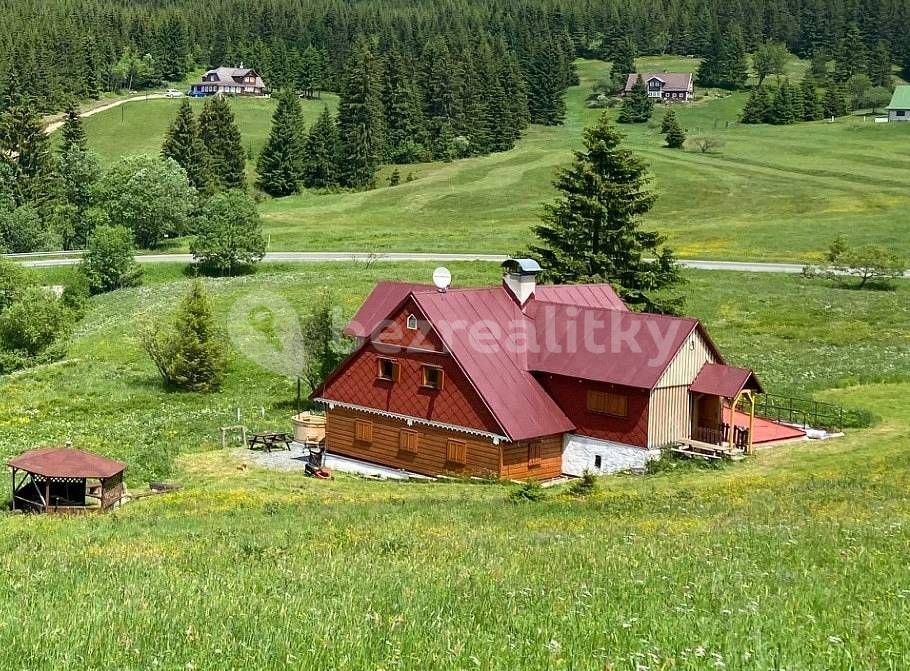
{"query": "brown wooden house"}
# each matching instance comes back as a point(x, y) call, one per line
point(524, 381)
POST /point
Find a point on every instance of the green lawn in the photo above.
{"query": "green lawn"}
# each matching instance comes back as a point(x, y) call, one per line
point(138, 127)
point(794, 559)
point(771, 193)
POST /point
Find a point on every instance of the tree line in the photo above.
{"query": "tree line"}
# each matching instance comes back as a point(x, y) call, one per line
point(55, 51)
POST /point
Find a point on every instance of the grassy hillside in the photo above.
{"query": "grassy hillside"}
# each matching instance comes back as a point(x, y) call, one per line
point(771, 193)
point(794, 559)
point(138, 127)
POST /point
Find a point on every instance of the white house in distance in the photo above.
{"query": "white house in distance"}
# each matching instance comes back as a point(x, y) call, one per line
point(667, 86)
point(899, 107)
point(238, 81)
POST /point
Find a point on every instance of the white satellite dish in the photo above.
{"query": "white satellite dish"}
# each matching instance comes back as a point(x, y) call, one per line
point(442, 278)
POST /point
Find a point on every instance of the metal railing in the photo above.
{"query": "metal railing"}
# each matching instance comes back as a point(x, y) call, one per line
point(801, 411)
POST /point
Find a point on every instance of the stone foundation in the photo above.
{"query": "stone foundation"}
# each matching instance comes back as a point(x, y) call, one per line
point(583, 453)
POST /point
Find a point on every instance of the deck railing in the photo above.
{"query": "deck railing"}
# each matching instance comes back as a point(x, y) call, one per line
point(718, 435)
point(800, 411)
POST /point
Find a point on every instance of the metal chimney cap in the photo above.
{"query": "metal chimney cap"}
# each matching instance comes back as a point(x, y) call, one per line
point(522, 266)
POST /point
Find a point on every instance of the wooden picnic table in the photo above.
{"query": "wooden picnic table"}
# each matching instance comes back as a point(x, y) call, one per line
point(270, 441)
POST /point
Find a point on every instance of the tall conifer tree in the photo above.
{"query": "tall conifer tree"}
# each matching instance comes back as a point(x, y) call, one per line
point(223, 143)
point(360, 119)
point(319, 169)
point(592, 233)
point(280, 165)
point(182, 143)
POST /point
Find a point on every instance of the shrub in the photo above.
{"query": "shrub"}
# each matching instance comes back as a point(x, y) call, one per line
point(705, 144)
point(23, 230)
point(191, 356)
point(229, 236)
point(35, 322)
point(109, 261)
point(149, 195)
point(527, 492)
point(585, 485)
point(14, 280)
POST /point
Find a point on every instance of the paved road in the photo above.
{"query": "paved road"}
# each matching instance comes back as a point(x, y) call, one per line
point(50, 259)
point(315, 257)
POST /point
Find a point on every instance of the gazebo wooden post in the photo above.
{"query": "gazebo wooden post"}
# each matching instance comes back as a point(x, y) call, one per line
point(14, 489)
point(751, 419)
point(47, 494)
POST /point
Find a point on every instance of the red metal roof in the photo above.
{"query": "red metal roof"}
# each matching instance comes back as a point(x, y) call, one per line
point(673, 81)
point(384, 298)
point(500, 345)
point(472, 323)
point(62, 462)
point(626, 348)
point(726, 381)
point(585, 295)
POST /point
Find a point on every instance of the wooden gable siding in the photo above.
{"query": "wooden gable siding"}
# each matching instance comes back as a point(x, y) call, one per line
point(690, 358)
point(669, 416)
point(481, 457)
point(457, 403)
point(539, 459)
point(397, 334)
point(571, 396)
point(669, 412)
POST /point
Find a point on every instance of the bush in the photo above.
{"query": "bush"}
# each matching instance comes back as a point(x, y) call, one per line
point(229, 236)
point(34, 322)
point(109, 262)
point(191, 356)
point(22, 230)
point(149, 195)
point(527, 492)
point(585, 485)
point(705, 144)
point(14, 280)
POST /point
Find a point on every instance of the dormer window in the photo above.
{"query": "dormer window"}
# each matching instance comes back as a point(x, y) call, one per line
point(412, 322)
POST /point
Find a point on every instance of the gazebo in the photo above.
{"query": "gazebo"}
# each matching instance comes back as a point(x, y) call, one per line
point(65, 480)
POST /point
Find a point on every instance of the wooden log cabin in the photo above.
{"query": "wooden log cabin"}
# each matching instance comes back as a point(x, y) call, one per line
point(526, 381)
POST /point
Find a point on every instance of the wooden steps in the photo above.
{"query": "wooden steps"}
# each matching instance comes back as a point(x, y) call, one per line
point(699, 450)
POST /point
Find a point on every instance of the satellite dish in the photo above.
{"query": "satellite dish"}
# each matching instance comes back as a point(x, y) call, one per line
point(442, 278)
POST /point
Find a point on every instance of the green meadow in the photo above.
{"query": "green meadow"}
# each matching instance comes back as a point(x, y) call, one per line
point(793, 559)
point(775, 193)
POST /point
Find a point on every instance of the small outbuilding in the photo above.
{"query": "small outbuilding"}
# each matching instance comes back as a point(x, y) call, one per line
point(65, 480)
point(899, 107)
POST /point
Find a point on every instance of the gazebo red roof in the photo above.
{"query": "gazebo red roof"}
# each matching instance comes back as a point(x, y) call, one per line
point(64, 462)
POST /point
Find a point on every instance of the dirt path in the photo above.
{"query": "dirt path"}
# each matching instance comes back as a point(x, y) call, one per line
point(58, 122)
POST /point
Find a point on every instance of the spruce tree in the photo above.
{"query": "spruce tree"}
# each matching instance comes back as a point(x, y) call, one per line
point(319, 170)
point(72, 132)
point(192, 357)
point(223, 143)
point(781, 110)
point(624, 58)
point(757, 106)
point(636, 105)
point(26, 149)
point(442, 95)
point(280, 165)
point(879, 65)
point(546, 85)
point(812, 104)
point(183, 144)
point(592, 233)
point(360, 119)
point(673, 133)
point(834, 104)
point(403, 111)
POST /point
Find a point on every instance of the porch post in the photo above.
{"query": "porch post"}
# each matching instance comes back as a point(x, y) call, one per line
point(751, 419)
point(732, 423)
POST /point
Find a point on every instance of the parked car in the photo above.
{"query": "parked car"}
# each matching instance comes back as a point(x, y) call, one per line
point(173, 93)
